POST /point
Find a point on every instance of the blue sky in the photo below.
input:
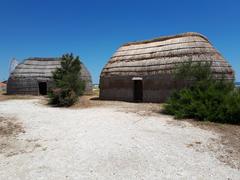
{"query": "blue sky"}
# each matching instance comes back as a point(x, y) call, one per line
point(94, 29)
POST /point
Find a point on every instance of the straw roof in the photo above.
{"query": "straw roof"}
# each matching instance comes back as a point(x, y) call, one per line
point(161, 55)
point(42, 68)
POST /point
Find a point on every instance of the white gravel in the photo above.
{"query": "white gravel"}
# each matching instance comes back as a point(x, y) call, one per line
point(105, 143)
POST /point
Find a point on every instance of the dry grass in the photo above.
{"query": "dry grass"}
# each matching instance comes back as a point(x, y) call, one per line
point(9, 127)
point(229, 141)
point(10, 145)
point(2, 92)
point(140, 108)
point(4, 97)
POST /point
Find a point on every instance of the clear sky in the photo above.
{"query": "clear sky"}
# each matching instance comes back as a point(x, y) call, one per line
point(94, 29)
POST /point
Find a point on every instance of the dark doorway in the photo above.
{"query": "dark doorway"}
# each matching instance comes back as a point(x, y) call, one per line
point(138, 91)
point(42, 88)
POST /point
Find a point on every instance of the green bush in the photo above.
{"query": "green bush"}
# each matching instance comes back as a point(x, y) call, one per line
point(68, 85)
point(205, 98)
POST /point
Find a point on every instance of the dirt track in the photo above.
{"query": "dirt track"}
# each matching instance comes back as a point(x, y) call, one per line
point(121, 141)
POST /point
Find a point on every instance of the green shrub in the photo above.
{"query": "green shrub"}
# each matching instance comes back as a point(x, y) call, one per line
point(68, 85)
point(205, 98)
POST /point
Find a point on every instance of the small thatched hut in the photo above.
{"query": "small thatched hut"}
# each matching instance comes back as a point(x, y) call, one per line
point(142, 71)
point(34, 76)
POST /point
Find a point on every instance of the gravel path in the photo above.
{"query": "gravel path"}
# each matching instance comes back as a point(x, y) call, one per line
point(105, 143)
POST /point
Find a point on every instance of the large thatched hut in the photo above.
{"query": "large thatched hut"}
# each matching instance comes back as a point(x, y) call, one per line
point(34, 76)
point(142, 71)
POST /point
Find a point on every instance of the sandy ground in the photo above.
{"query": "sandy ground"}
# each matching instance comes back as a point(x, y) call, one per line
point(105, 142)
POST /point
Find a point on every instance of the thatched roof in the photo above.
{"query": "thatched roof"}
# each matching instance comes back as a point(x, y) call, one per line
point(161, 55)
point(41, 68)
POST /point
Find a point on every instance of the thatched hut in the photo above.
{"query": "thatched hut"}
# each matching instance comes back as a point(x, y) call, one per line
point(34, 76)
point(142, 71)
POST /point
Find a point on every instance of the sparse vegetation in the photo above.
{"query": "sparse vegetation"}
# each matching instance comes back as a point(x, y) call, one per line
point(68, 85)
point(203, 97)
point(9, 126)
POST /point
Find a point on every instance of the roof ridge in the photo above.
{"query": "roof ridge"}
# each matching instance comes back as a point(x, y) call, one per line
point(43, 58)
point(163, 38)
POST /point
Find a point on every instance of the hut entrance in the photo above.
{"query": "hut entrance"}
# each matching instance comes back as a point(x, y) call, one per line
point(42, 88)
point(138, 90)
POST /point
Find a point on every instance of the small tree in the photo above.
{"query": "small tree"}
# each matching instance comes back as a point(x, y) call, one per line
point(68, 85)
